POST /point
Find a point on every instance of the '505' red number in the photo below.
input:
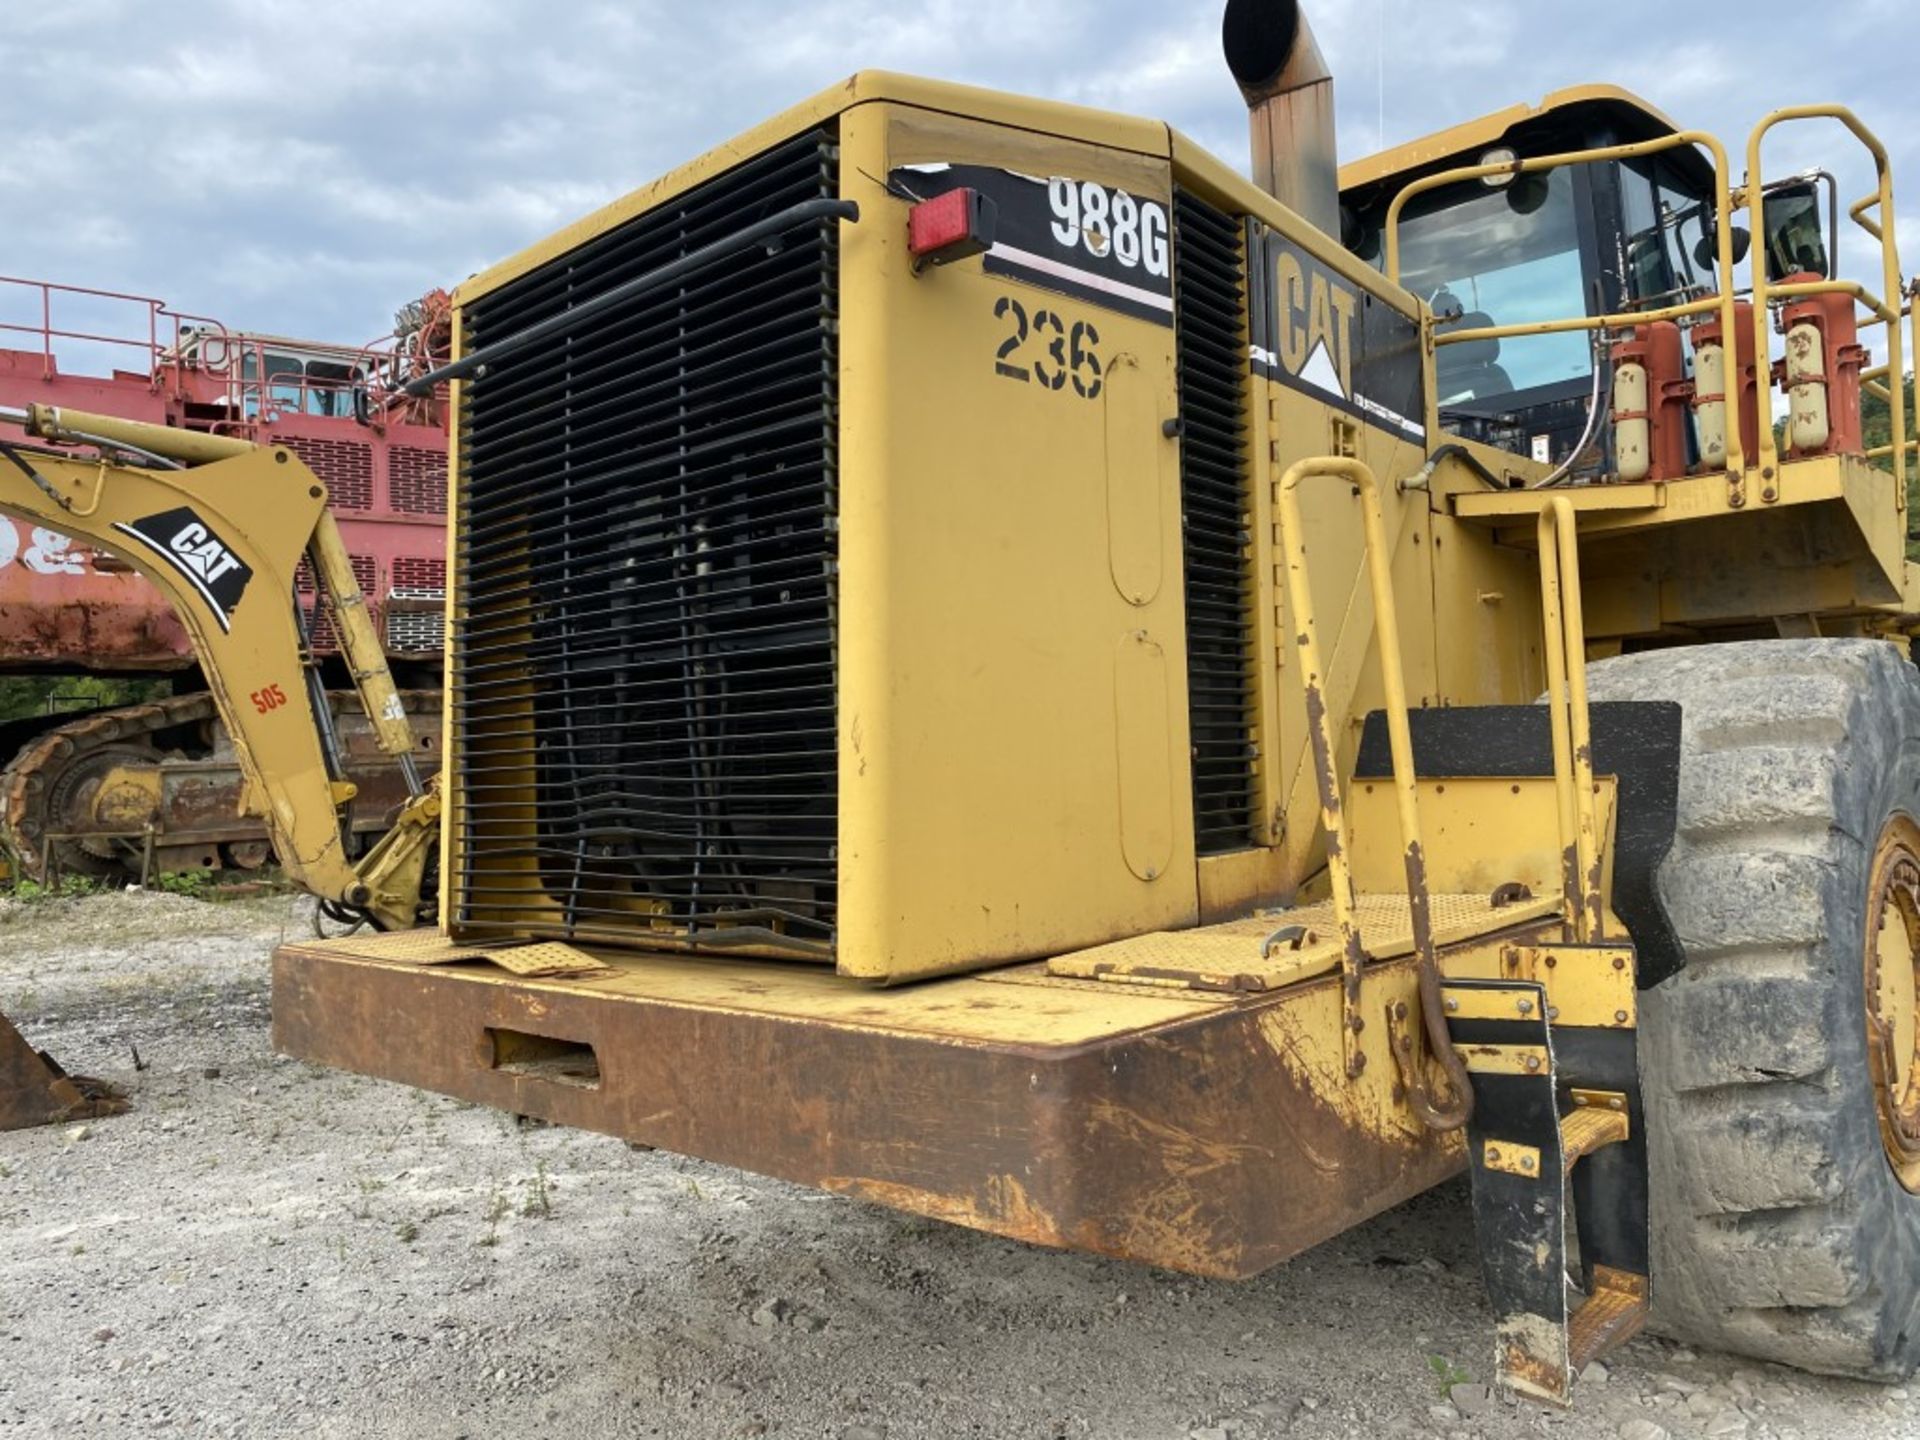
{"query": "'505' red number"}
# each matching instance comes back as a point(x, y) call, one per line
point(269, 699)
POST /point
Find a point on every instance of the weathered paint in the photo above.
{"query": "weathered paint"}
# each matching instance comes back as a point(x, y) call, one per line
point(1212, 1134)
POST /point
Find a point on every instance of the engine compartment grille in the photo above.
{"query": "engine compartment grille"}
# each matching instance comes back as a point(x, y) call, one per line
point(643, 665)
point(1210, 326)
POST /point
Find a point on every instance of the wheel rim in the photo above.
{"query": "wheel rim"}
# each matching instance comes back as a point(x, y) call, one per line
point(1893, 985)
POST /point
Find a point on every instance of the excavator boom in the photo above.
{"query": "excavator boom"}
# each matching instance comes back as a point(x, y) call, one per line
point(220, 525)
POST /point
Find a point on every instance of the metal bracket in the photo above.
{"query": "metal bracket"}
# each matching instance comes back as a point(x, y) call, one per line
point(1292, 936)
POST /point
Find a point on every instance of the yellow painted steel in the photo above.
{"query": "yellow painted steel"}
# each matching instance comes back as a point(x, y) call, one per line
point(1512, 1158)
point(1321, 723)
point(1586, 985)
point(1010, 114)
point(262, 509)
point(1012, 616)
point(1564, 643)
point(1488, 130)
point(1436, 1113)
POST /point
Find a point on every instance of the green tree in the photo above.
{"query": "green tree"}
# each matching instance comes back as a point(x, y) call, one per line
point(23, 696)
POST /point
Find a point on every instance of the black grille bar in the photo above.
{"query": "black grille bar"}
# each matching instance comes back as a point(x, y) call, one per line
point(1210, 309)
point(644, 707)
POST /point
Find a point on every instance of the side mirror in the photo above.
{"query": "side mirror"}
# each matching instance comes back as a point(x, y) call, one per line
point(1706, 253)
point(1797, 240)
point(362, 406)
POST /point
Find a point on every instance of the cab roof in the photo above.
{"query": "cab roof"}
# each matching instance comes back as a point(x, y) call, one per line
point(1583, 108)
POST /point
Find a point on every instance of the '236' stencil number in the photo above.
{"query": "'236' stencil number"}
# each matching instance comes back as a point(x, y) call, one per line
point(1065, 353)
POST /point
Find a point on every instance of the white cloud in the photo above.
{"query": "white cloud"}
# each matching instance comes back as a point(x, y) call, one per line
point(308, 167)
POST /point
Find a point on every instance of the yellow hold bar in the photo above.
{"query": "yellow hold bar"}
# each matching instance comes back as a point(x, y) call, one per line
point(359, 641)
point(1566, 654)
point(189, 447)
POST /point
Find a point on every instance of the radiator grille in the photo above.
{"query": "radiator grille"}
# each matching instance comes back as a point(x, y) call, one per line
point(644, 663)
point(1210, 308)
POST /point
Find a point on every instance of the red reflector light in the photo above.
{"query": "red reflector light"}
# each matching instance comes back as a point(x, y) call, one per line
point(950, 227)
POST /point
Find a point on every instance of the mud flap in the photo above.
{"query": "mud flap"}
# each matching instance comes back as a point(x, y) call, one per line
point(1556, 1113)
point(34, 1090)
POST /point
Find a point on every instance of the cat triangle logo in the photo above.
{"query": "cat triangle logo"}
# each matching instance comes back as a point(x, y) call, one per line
point(206, 562)
point(1321, 373)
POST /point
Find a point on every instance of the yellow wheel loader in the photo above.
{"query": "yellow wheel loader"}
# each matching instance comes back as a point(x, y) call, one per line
point(996, 668)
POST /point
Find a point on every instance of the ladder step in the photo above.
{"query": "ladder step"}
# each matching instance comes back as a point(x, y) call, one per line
point(1589, 1128)
point(1613, 1314)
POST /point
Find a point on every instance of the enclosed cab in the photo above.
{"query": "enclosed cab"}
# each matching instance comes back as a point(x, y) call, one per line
point(1515, 249)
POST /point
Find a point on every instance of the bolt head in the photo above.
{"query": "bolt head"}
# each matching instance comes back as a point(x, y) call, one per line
point(1620, 1017)
point(1533, 1062)
point(1453, 1005)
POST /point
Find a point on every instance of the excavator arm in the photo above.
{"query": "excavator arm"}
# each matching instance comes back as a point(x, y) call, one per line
point(219, 525)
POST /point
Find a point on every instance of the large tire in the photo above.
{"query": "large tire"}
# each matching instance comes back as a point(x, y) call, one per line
point(1780, 1229)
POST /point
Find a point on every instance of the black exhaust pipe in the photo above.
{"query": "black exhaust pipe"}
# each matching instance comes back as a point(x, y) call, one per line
point(1289, 93)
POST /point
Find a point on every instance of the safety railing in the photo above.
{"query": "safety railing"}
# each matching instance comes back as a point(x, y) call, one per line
point(258, 385)
point(1762, 289)
point(1879, 383)
point(151, 329)
point(1883, 307)
point(198, 356)
point(1323, 740)
point(1566, 655)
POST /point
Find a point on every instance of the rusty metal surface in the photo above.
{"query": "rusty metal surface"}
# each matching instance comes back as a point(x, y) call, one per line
point(1213, 1138)
point(34, 1090)
point(83, 795)
point(60, 606)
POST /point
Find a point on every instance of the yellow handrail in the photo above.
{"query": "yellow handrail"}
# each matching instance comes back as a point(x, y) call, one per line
point(1566, 655)
point(1885, 308)
point(1322, 737)
point(1723, 246)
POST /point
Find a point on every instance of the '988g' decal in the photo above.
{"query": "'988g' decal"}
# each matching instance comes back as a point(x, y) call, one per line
point(1101, 244)
point(1132, 230)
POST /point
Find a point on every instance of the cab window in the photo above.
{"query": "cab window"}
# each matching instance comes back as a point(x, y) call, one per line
point(1507, 256)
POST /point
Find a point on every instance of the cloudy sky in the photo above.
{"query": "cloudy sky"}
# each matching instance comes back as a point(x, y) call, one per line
point(306, 168)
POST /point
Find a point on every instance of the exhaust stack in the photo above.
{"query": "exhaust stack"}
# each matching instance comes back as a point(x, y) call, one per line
point(1289, 93)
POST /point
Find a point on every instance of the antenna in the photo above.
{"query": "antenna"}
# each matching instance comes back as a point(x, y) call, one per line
point(1380, 57)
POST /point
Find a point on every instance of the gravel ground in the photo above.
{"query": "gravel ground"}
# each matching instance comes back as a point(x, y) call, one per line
point(263, 1248)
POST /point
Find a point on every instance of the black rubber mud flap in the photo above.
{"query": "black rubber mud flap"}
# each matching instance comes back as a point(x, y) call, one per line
point(1636, 740)
point(1533, 1085)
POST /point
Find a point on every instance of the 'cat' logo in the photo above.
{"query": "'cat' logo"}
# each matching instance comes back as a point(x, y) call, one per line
point(207, 563)
point(1316, 326)
point(205, 555)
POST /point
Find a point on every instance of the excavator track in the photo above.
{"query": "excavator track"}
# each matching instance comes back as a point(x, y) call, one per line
point(152, 788)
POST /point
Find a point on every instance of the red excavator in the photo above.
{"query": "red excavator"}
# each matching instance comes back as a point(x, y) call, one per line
point(129, 790)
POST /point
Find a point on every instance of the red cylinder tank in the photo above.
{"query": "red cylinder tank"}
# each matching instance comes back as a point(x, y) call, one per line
point(1821, 373)
point(1650, 396)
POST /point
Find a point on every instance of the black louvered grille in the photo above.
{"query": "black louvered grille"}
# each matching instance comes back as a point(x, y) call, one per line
point(1210, 310)
point(644, 680)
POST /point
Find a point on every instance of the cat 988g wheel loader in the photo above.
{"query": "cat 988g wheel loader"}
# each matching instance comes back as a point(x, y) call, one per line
point(994, 669)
